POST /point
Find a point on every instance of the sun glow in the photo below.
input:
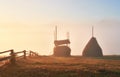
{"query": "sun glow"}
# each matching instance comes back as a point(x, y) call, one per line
point(29, 24)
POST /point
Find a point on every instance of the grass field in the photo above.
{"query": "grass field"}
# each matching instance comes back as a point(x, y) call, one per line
point(108, 66)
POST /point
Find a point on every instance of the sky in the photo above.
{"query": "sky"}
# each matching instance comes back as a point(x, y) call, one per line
point(29, 24)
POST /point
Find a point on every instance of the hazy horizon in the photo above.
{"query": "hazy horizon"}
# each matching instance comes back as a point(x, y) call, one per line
point(29, 24)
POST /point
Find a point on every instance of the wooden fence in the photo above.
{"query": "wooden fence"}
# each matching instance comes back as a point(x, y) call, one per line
point(12, 55)
point(33, 54)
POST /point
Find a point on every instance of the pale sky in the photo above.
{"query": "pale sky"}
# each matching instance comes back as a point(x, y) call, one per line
point(29, 24)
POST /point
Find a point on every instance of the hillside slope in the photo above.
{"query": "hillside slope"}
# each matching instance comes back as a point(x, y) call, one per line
point(62, 67)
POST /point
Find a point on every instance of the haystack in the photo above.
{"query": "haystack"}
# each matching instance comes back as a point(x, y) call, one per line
point(61, 48)
point(62, 51)
point(92, 49)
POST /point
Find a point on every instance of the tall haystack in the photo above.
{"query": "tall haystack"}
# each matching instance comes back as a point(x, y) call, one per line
point(92, 49)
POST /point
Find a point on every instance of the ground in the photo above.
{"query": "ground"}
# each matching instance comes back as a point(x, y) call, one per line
point(76, 66)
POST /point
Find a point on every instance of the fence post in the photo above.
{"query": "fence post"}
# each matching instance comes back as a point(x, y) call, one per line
point(30, 54)
point(24, 54)
point(12, 59)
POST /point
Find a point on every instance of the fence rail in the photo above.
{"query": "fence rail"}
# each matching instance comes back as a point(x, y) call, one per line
point(5, 58)
point(13, 55)
point(33, 53)
point(5, 51)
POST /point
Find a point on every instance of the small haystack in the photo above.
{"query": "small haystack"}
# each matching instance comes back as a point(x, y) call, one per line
point(92, 49)
point(61, 48)
point(62, 51)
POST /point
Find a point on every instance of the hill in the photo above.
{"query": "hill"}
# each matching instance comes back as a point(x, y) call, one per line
point(76, 66)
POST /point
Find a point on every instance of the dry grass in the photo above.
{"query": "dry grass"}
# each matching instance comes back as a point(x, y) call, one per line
point(63, 67)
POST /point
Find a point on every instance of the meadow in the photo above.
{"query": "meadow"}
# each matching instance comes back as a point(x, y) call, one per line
point(75, 66)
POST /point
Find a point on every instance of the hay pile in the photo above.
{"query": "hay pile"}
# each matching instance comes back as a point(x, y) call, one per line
point(92, 49)
point(62, 51)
